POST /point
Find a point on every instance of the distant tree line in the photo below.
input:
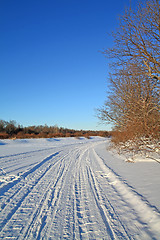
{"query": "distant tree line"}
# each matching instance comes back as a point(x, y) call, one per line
point(13, 130)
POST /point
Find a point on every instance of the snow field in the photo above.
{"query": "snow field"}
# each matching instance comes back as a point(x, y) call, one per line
point(69, 189)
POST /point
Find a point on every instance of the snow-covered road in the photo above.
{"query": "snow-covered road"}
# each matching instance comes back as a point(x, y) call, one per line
point(66, 189)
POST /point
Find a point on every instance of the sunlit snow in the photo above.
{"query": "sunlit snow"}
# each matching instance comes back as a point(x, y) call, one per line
point(70, 188)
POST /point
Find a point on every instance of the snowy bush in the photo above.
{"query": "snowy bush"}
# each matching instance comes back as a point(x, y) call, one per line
point(146, 148)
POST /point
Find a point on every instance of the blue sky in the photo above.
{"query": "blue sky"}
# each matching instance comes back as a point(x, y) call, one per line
point(52, 70)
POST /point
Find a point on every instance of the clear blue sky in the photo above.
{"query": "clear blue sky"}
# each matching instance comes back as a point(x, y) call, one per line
point(51, 68)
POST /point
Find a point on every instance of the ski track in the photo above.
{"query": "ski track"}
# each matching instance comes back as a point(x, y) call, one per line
point(71, 193)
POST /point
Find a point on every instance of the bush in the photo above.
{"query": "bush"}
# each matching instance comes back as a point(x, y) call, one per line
point(4, 135)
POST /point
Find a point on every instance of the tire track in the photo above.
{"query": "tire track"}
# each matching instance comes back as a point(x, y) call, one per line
point(38, 219)
point(88, 218)
point(26, 185)
point(105, 211)
point(8, 186)
point(53, 223)
point(79, 227)
point(25, 153)
point(65, 222)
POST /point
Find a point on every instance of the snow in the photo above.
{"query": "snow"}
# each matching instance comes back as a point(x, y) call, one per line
point(70, 188)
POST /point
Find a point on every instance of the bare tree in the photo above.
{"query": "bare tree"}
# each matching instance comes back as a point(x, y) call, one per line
point(133, 103)
point(137, 41)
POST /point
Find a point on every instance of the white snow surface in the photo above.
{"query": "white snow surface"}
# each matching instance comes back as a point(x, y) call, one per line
point(70, 188)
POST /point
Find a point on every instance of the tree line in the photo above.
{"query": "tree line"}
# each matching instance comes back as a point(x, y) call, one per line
point(13, 130)
point(133, 98)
